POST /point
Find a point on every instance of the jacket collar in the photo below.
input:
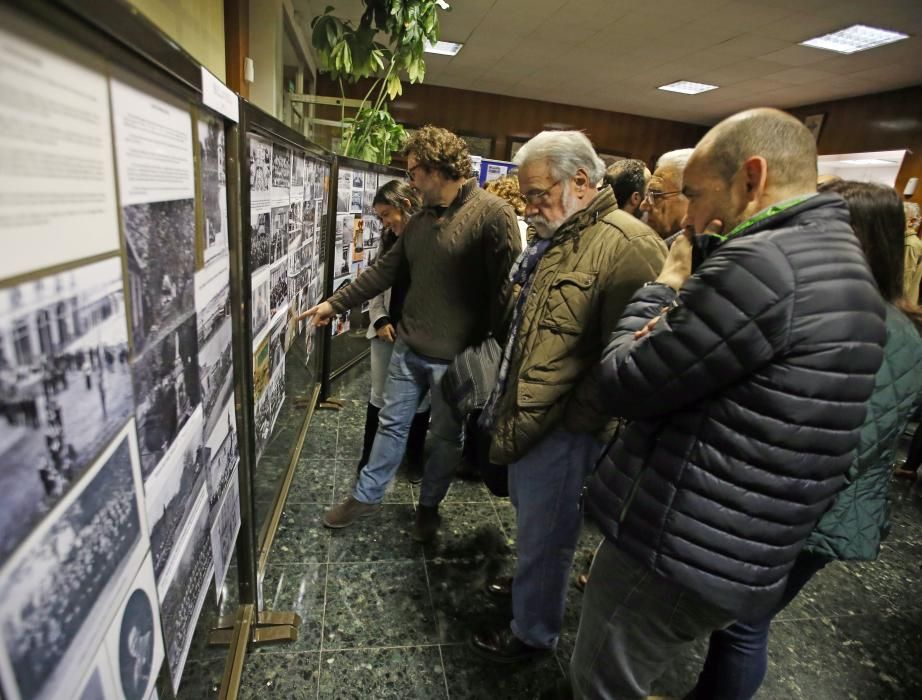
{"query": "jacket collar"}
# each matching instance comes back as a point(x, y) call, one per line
point(603, 203)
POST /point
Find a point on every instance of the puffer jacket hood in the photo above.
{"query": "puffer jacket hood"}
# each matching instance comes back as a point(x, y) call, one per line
point(860, 517)
point(745, 404)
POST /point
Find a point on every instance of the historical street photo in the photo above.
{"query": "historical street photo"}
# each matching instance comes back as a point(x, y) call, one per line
point(259, 306)
point(212, 302)
point(342, 244)
point(167, 391)
point(368, 198)
point(355, 205)
point(344, 191)
point(134, 640)
point(277, 344)
point(214, 187)
point(281, 168)
point(297, 172)
point(278, 287)
point(220, 453)
point(260, 170)
point(160, 245)
point(260, 240)
point(182, 590)
point(279, 246)
point(224, 529)
point(170, 490)
point(65, 387)
point(60, 589)
point(295, 221)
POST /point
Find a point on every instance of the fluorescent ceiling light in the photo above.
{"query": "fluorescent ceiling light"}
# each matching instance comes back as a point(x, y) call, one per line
point(867, 161)
point(687, 87)
point(445, 48)
point(858, 37)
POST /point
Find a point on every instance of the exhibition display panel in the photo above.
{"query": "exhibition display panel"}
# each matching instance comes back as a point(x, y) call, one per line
point(357, 236)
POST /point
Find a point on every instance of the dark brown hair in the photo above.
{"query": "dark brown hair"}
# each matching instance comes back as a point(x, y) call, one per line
point(439, 149)
point(400, 195)
point(880, 225)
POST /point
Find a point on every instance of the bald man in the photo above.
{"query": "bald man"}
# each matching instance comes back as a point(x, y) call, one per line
point(744, 400)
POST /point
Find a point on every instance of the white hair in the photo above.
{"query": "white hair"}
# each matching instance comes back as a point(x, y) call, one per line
point(565, 152)
point(677, 159)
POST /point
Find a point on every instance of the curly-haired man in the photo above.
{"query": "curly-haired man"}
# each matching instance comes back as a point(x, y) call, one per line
point(458, 251)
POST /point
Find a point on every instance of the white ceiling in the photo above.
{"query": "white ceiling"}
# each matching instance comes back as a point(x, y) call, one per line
point(613, 54)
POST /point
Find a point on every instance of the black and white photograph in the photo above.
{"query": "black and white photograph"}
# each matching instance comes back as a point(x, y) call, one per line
point(65, 387)
point(295, 221)
point(134, 641)
point(224, 529)
point(281, 167)
point(220, 453)
point(260, 170)
point(182, 591)
point(368, 198)
point(260, 301)
point(160, 245)
point(170, 492)
point(358, 180)
point(342, 244)
point(297, 171)
point(279, 245)
point(278, 287)
point(260, 240)
point(356, 203)
point(277, 344)
point(307, 220)
point(344, 191)
point(167, 391)
point(212, 302)
point(61, 587)
point(214, 187)
point(276, 394)
point(263, 422)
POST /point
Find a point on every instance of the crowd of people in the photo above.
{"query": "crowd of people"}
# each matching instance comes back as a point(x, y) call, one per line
point(713, 361)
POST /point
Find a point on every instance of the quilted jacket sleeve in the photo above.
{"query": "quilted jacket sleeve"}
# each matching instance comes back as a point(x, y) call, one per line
point(732, 316)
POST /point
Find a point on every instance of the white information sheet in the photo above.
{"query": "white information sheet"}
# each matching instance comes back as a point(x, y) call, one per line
point(57, 186)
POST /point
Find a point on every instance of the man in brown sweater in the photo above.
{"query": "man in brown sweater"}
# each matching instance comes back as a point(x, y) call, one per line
point(458, 250)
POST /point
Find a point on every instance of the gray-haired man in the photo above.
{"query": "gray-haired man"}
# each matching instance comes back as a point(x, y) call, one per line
point(663, 202)
point(547, 423)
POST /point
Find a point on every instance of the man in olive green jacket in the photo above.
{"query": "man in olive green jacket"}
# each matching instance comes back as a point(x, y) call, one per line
point(548, 425)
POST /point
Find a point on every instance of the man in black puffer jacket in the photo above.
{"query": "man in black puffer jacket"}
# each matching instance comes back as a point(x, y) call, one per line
point(745, 385)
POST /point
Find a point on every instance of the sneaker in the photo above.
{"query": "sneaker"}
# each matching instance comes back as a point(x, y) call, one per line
point(348, 512)
point(427, 524)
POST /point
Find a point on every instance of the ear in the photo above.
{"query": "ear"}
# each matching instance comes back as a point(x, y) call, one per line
point(755, 176)
point(636, 199)
point(581, 178)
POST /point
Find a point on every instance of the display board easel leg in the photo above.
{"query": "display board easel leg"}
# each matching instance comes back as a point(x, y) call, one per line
point(331, 404)
point(268, 626)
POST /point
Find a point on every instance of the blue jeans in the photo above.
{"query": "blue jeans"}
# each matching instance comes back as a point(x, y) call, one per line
point(545, 487)
point(737, 656)
point(409, 377)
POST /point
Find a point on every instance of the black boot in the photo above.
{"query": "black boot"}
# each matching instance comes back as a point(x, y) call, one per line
point(416, 443)
point(371, 429)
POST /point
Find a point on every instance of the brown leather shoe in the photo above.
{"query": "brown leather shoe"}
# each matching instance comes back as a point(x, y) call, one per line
point(348, 512)
point(427, 524)
point(500, 587)
point(503, 647)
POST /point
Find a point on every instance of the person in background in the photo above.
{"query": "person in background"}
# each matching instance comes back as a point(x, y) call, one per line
point(548, 422)
point(394, 203)
point(745, 384)
point(857, 523)
point(628, 179)
point(663, 202)
point(458, 250)
point(507, 187)
point(913, 253)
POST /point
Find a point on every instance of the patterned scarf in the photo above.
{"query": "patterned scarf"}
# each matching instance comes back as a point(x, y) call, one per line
point(522, 274)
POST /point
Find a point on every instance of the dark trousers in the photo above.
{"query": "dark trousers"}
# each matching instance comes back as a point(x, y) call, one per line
point(737, 656)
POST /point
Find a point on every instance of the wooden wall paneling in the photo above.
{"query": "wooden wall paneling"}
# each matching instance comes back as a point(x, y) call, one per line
point(237, 44)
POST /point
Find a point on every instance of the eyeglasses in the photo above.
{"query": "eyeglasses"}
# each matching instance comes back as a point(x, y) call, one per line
point(651, 197)
point(535, 196)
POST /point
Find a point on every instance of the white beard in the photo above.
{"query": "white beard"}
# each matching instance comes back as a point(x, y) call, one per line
point(547, 229)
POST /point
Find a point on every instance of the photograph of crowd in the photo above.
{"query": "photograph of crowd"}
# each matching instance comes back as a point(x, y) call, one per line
point(279, 245)
point(170, 492)
point(214, 187)
point(260, 240)
point(281, 167)
point(60, 590)
point(65, 387)
point(167, 391)
point(136, 643)
point(224, 529)
point(184, 592)
point(260, 302)
point(278, 287)
point(160, 245)
point(260, 169)
point(344, 191)
point(220, 453)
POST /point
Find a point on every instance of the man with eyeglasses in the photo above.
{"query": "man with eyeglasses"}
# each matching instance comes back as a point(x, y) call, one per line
point(547, 421)
point(663, 202)
point(458, 251)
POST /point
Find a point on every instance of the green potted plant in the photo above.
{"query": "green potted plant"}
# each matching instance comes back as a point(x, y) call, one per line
point(349, 53)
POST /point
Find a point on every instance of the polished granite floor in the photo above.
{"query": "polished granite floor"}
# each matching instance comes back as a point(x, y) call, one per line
point(384, 617)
